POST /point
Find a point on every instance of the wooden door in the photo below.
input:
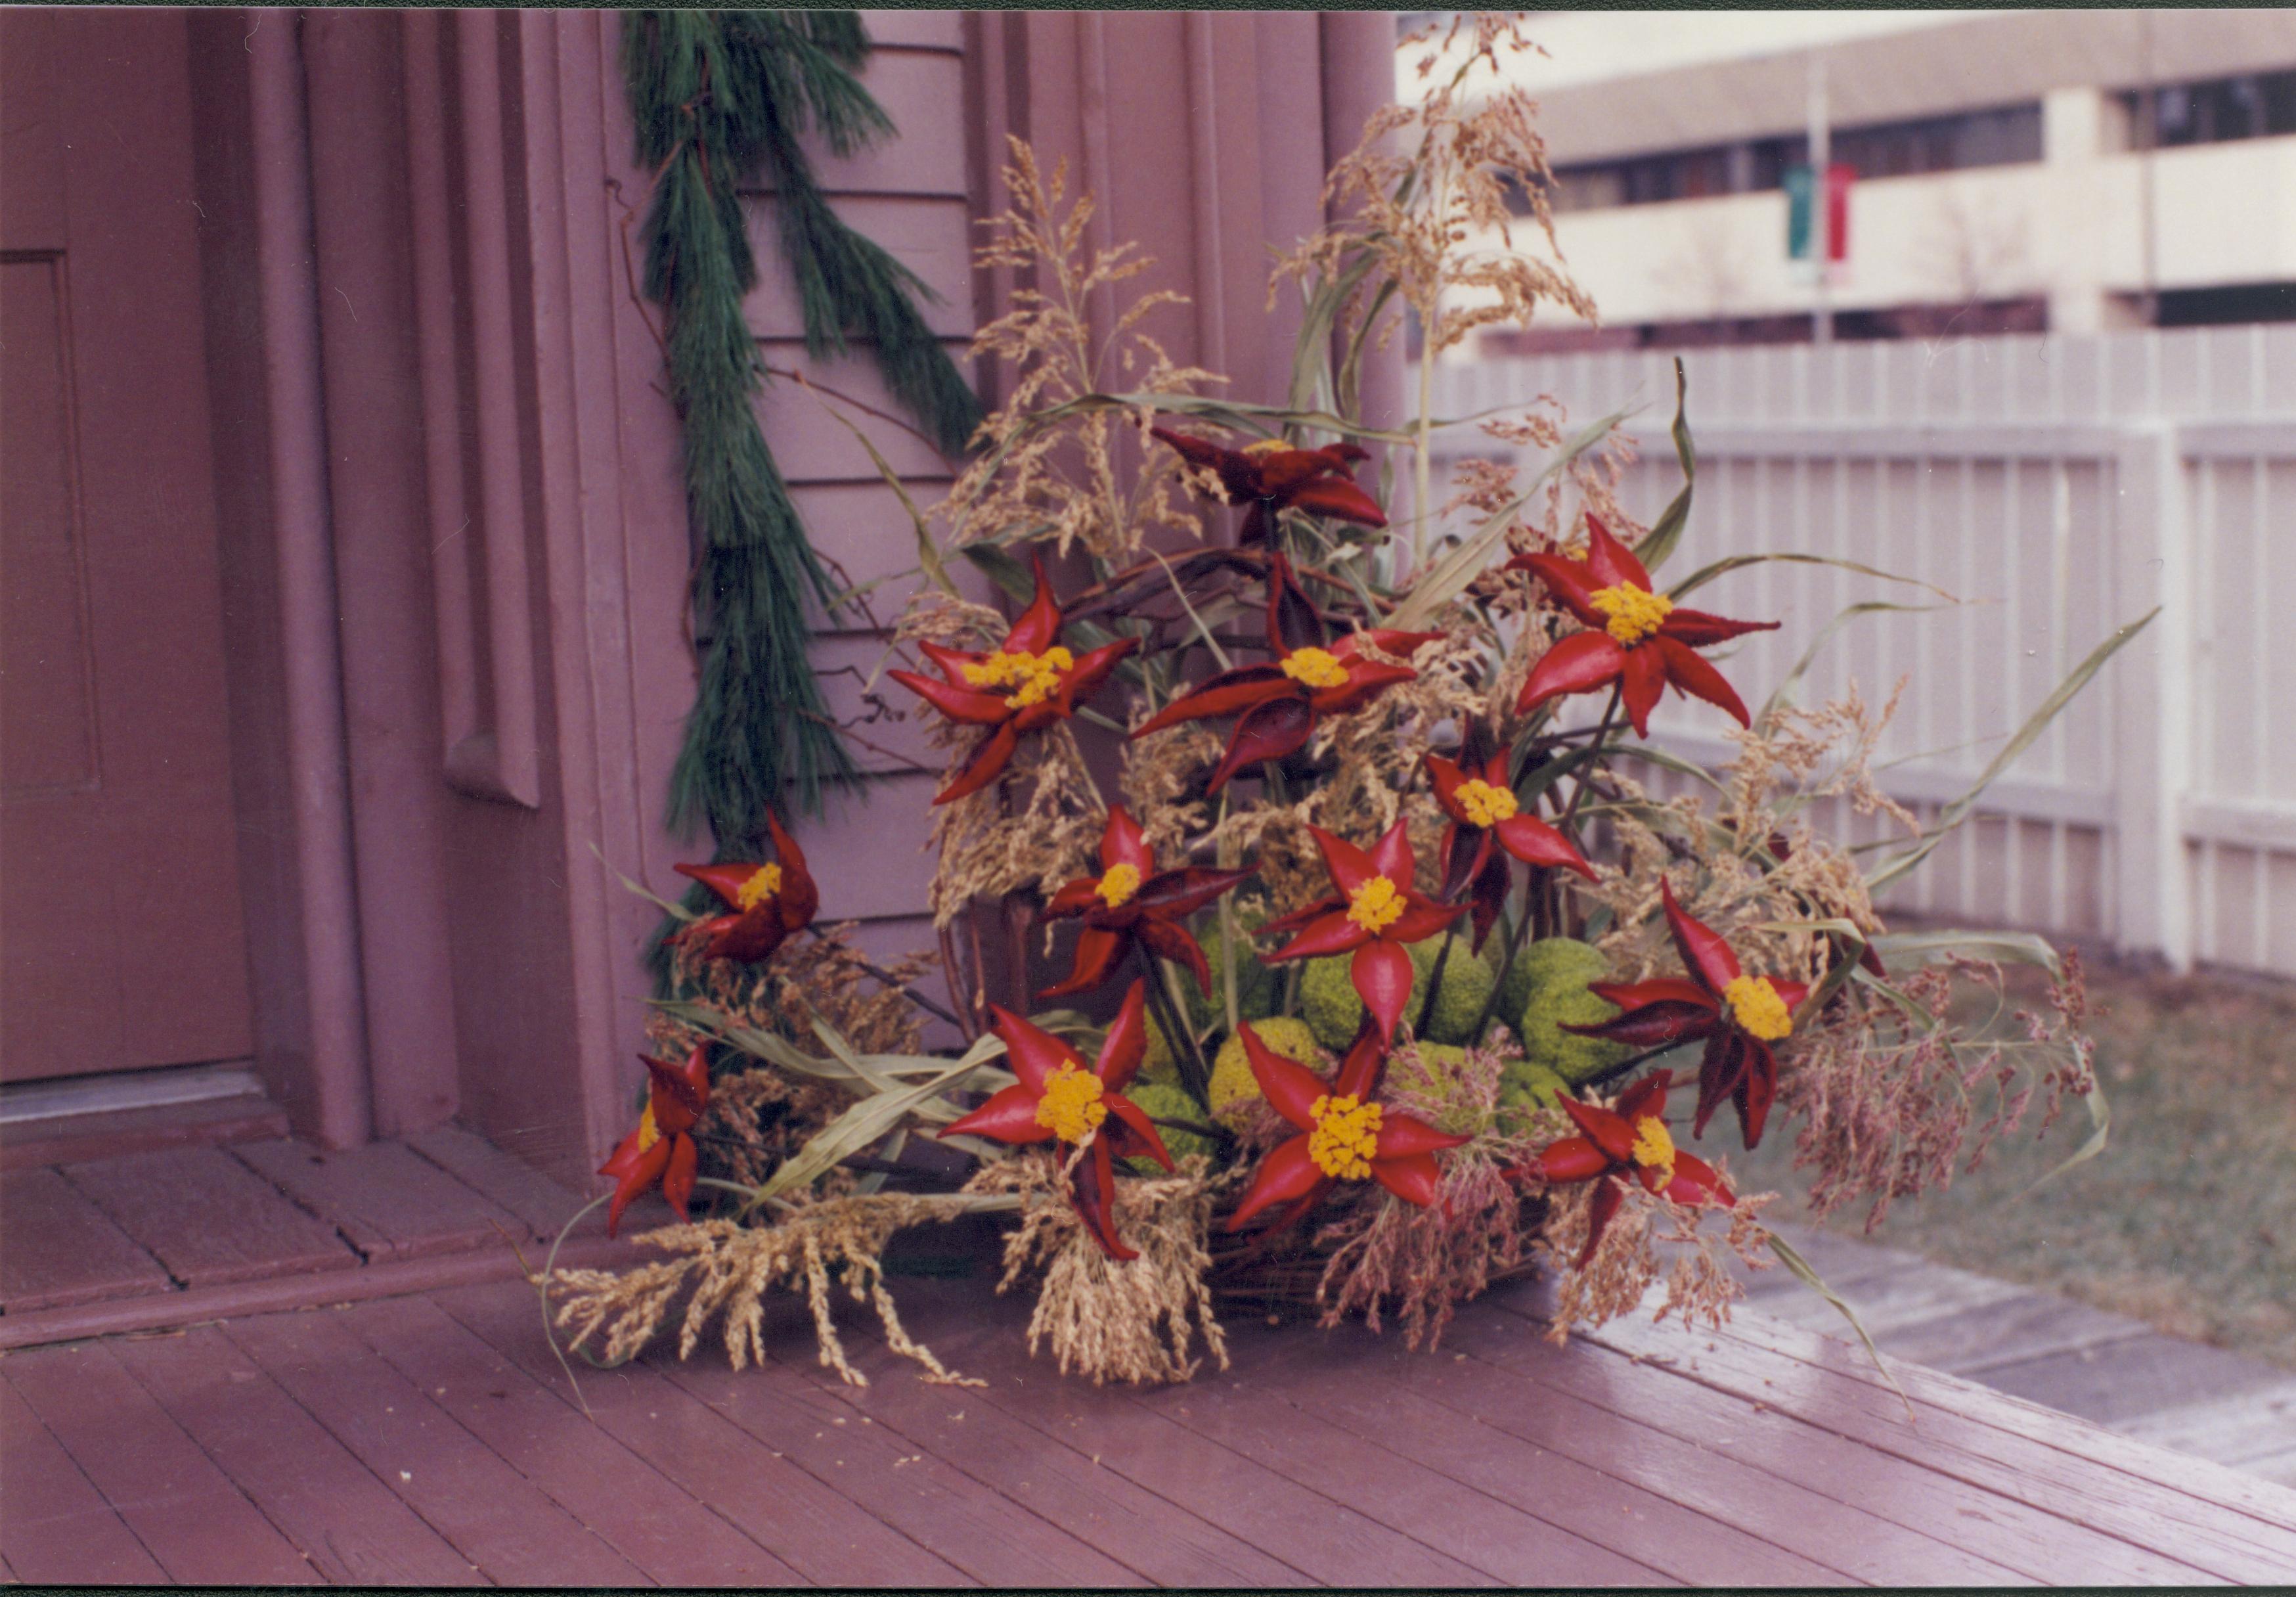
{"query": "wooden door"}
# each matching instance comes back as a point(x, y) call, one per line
point(121, 941)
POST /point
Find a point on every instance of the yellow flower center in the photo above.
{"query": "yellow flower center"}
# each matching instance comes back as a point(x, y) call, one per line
point(649, 1133)
point(1314, 668)
point(1486, 805)
point(1376, 905)
point(764, 883)
point(1345, 1138)
point(1634, 613)
point(1032, 678)
point(1118, 886)
point(1264, 447)
point(1071, 1107)
point(1759, 1009)
point(1655, 1147)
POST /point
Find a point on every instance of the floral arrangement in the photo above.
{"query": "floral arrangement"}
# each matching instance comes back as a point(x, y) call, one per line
point(1384, 951)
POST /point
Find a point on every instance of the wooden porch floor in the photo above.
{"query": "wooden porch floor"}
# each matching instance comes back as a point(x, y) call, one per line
point(431, 1439)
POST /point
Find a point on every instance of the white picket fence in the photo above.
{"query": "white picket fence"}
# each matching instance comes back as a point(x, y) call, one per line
point(2062, 486)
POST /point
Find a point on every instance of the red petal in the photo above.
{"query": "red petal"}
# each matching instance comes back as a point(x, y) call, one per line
point(1608, 1196)
point(1719, 1071)
point(1444, 779)
point(1697, 1181)
point(1174, 943)
point(986, 763)
point(1641, 682)
point(1572, 1159)
point(800, 898)
point(1414, 1178)
point(1792, 993)
point(958, 704)
point(677, 1176)
point(1387, 640)
point(1707, 956)
point(1609, 562)
point(1293, 621)
point(1653, 1024)
point(1568, 580)
point(677, 1102)
point(746, 938)
point(1286, 1174)
point(1074, 898)
point(1488, 895)
point(1607, 1128)
point(1009, 1116)
point(1032, 1053)
point(1331, 934)
point(1700, 631)
point(1466, 850)
point(1092, 1193)
point(1176, 892)
point(1135, 1119)
point(1226, 694)
point(726, 880)
point(952, 661)
point(1348, 866)
point(1122, 842)
point(1391, 856)
point(1645, 1096)
point(1421, 921)
point(1696, 678)
point(1535, 843)
point(1382, 973)
point(1294, 919)
point(1756, 1088)
point(1340, 498)
point(1272, 729)
point(1096, 952)
point(1580, 663)
point(1367, 680)
point(1127, 1042)
point(642, 1174)
point(624, 1159)
point(1091, 670)
point(1289, 1086)
point(1401, 1136)
point(1365, 1064)
point(1039, 626)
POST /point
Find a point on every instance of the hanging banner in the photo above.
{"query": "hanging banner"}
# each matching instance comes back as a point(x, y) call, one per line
point(1804, 205)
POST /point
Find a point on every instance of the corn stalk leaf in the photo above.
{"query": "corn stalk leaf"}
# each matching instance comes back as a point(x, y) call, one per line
point(1666, 532)
point(2100, 1119)
point(863, 1122)
point(2035, 724)
point(1804, 1273)
point(928, 553)
point(1731, 562)
point(1449, 576)
point(2002, 948)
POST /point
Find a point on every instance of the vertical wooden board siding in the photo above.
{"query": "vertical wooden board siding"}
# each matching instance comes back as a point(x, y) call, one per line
point(829, 1539)
point(61, 1249)
point(930, 233)
point(321, 1498)
point(58, 1528)
point(198, 1524)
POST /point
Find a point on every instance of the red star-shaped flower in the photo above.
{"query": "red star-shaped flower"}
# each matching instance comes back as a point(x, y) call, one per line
point(1628, 1143)
point(1029, 682)
point(769, 902)
point(1374, 913)
point(662, 1149)
point(1486, 827)
point(1277, 705)
point(1634, 637)
point(1343, 1134)
point(1739, 1016)
point(1270, 476)
point(1057, 1100)
point(1131, 901)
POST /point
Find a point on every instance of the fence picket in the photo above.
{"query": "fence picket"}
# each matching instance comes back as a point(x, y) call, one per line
point(2073, 481)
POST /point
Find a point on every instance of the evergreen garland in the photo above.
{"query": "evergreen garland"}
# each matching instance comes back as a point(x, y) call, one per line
point(720, 99)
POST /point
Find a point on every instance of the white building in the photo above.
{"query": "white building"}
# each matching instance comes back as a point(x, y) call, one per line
point(2070, 170)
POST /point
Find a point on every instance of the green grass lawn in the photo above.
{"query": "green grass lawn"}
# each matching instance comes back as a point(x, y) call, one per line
point(2186, 1220)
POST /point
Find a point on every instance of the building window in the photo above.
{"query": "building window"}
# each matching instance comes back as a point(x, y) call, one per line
point(1996, 136)
point(2255, 106)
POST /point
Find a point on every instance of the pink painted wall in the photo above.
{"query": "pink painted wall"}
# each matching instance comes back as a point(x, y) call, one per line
point(493, 487)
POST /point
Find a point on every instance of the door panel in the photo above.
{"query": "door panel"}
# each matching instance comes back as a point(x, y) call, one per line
point(121, 943)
